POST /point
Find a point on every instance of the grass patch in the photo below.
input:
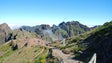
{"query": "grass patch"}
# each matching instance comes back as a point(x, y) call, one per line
point(42, 58)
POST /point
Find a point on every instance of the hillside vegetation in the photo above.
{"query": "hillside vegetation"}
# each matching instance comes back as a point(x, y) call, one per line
point(95, 41)
point(23, 47)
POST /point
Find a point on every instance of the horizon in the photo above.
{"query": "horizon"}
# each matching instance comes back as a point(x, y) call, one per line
point(37, 12)
point(13, 26)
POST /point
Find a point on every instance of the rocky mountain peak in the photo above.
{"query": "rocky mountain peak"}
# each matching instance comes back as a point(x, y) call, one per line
point(5, 32)
point(4, 26)
point(45, 26)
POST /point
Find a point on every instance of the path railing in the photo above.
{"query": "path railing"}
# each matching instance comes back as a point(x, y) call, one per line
point(93, 59)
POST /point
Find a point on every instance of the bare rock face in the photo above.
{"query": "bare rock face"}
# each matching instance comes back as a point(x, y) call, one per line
point(5, 33)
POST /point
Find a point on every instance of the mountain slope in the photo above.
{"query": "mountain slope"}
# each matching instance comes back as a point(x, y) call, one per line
point(101, 43)
point(23, 47)
point(95, 41)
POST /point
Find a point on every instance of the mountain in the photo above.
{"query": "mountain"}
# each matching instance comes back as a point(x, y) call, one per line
point(5, 32)
point(85, 45)
point(23, 47)
point(63, 30)
point(26, 44)
point(73, 28)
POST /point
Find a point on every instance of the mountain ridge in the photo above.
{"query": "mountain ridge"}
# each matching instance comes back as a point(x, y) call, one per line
point(20, 43)
point(63, 30)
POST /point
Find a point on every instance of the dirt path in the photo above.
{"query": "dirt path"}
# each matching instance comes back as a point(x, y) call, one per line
point(67, 58)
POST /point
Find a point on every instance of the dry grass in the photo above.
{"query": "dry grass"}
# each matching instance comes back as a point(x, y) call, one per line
point(23, 55)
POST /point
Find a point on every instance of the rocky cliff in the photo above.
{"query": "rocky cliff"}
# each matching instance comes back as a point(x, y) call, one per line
point(5, 33)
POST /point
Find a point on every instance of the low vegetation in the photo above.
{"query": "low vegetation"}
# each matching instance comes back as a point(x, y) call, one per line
point(22, 48)
point(85, 45)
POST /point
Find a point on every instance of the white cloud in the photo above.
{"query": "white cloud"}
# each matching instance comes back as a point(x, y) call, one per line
point(14, 26)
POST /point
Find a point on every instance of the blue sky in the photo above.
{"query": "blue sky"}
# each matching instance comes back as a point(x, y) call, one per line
point(36, 12)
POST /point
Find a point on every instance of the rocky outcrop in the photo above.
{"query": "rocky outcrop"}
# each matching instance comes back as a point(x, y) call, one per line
point(73, 28)
point(5, 33)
